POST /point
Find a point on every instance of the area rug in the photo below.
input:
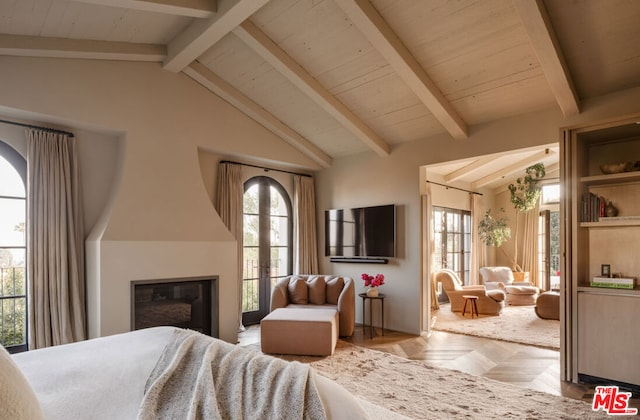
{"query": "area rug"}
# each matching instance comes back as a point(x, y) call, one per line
point(414, 389)
point(518, 324)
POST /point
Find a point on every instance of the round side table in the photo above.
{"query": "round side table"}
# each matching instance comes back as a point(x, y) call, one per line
point(380, 298)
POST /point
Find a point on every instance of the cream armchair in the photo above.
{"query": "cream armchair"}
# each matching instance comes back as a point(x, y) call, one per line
point(318, 291)
point(490, 302)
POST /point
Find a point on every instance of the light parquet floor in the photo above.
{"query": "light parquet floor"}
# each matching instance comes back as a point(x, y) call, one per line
point(518, 364)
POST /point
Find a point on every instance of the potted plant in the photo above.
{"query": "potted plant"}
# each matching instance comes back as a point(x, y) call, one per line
point(525, 193)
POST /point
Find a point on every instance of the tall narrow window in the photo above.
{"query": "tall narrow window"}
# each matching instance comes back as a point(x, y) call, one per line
point(267, 239)
point(13, 255)
point(452, 242)
point(549, 237)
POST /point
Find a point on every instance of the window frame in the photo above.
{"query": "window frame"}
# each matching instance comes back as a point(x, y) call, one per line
point(265, 289)
point(19, 163)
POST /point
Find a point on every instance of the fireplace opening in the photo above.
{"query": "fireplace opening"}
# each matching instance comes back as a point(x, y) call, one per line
point(185, 303)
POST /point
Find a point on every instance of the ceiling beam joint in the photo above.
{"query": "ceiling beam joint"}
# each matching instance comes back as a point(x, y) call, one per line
point(233, 96)
point(373, 26)
point(264, 46)
point(536, 22)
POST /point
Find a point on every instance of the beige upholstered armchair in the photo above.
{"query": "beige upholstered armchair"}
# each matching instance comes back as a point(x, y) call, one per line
point(490, 302)
point(318, 291)
point(518, 293)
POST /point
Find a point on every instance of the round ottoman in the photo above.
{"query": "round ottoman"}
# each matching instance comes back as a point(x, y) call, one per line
point(548, 305)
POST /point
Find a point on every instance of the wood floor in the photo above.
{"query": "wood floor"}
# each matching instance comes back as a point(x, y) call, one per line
point(518, 364)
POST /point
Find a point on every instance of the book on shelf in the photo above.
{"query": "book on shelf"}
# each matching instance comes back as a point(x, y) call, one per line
point(614, 282)
point(592, 207)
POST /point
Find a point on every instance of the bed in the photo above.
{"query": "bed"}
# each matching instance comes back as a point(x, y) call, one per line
point(110, 377)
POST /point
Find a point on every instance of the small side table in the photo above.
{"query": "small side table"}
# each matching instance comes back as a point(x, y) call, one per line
point(473, 305)
point(364, 297)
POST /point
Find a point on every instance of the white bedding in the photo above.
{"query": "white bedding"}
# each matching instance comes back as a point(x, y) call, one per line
point(104, 378)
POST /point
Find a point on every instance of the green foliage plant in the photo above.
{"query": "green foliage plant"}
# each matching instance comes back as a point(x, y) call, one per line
point(525, 193)
point(494, 230)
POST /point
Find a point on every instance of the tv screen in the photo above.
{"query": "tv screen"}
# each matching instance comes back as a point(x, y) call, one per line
point(361, 232)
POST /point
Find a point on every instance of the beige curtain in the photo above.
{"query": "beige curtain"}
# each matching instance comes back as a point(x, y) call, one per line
point(306, 237)
point(55, 241)
point(229, 206)
point(478, 257)
point(431, 250)
point(530, 245)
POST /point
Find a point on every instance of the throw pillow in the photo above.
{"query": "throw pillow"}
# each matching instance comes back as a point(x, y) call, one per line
point(317, 290)
point(298, 291)
point(334, 288)
point(497, 274)
point(17, 399)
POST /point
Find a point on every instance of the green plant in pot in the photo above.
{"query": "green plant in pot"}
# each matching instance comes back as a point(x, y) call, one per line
point(525, 193)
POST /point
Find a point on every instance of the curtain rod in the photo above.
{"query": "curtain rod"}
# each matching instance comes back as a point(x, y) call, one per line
point(455, 188)
point(265, 168)
point(51, 130)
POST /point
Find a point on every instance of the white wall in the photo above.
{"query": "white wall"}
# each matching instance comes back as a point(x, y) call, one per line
point(160, 202)
point(367, 179)
point(159, 222)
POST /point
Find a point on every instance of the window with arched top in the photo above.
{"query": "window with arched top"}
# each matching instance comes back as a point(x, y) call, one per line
point(13, 251)
point(267, 244)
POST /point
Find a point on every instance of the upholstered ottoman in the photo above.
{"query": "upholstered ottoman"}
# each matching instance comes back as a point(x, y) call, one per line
point(303, 331)
point(548, 305)
point(521, 295)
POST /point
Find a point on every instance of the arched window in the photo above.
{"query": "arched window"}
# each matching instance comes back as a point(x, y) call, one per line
point(13, 251)
point(267, 239)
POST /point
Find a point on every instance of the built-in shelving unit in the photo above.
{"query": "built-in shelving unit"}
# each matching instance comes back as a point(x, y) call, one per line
point(605, 338)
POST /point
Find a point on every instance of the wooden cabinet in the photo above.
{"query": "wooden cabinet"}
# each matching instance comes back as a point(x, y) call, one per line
point(605, 328)
point(608, 334)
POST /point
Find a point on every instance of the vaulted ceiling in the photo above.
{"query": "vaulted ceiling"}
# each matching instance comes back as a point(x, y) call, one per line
point(338, 77)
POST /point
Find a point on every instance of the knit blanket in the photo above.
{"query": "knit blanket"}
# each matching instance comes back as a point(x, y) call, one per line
point(200, 377)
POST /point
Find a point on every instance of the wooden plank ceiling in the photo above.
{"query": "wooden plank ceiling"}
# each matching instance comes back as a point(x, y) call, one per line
point(339, 77)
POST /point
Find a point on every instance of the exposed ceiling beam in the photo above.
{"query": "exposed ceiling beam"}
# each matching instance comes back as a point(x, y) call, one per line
point(203, 33)
point(35, 46)
point(510, 169)
point(476, 164)
point(545, 43)
point(221, 88)
point(257, 40)
point(364, 15)
point(190, 8)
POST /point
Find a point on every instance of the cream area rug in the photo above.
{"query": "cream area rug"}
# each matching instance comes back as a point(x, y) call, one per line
point(518, 324)
point(413, 389)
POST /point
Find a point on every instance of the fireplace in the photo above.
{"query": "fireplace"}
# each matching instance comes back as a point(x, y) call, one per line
point(186, 303)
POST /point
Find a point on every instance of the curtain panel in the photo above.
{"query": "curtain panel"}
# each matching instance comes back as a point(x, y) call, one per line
point(55, 241)
point(306, 235)
point(478, 254)
point(229, 206)
point(530, 245)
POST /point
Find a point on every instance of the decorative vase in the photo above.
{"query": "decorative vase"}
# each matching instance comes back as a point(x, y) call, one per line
point(610, 210)
point(372, 292)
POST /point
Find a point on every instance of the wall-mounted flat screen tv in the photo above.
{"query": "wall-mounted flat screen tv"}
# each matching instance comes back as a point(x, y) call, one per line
point(361, 232)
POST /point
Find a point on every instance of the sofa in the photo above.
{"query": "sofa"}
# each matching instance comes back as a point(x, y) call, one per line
point(489, 302)
point(319, 292)
point(518, 293)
